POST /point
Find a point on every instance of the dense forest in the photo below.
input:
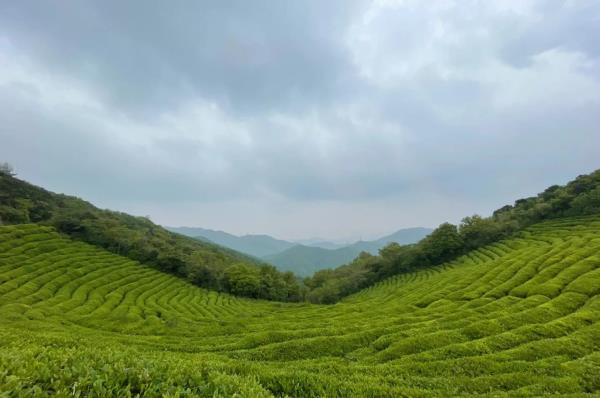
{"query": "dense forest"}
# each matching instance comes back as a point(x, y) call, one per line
point(579, 197)
point(214, 267)
point(202, 263)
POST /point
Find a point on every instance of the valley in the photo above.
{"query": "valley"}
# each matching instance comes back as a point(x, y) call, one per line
point(515, 318)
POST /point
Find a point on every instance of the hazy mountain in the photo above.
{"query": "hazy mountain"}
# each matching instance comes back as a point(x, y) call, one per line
point(403, 236)
point(305, 260)
point(319, 242)
point(254, 245)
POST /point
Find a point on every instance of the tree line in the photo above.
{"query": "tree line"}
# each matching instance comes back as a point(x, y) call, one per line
point(577, 198)
point(211, 266)
point(203, 264)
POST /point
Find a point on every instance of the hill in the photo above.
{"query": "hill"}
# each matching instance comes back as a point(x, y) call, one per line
point(305, 260)
point(254, 245)
point(447, 242)
point(203, 263)
point(516, 318)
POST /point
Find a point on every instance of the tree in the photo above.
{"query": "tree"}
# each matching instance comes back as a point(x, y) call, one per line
point(272, 285)
point(477, 231)
point(171, 262)
point(588, 203)
point(243, 280)
point(443, 244)
point(391, 260)
point(329, 293)
point(6, 168)
point(201, 275)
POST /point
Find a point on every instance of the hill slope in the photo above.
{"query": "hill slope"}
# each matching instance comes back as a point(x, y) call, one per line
point(305, 260)
point(516, 318)
point(254, 245)
point(203, 263)
point(579, 197)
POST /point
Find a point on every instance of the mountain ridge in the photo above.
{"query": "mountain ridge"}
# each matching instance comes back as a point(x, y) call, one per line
point(256, 245)
point(303, 259)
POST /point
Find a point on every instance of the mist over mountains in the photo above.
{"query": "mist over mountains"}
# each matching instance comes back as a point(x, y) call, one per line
point(302, 258)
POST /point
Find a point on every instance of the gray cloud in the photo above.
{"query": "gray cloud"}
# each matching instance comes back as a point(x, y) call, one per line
point(153, 55)
point(300, 118)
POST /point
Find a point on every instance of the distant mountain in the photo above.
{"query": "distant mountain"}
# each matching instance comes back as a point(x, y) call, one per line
point(305, 260)
point(318, 242)
point(302, 259)
point(254, 245)
point(403, 236)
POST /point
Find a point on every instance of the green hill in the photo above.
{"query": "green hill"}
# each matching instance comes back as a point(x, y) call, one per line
point(203, 263)
point(305, 260)
point(517, 318)
point(447, 242)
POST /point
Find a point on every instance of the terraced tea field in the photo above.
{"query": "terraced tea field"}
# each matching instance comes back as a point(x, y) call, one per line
point(517, 318)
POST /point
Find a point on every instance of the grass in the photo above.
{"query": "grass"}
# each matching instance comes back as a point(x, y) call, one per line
point(519, 318)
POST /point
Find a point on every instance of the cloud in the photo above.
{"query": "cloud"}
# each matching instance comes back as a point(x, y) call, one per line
point(267, 116)
point(155, 55)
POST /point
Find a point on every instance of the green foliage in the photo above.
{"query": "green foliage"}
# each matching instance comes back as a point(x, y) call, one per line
point(443, 244)
point(243, 280)
point(578, 198)
point(477, 231)
point(205, 264)
point(211, 266)
point(516, 318)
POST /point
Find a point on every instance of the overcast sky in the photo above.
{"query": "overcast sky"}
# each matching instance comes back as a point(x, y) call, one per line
point(336, 119)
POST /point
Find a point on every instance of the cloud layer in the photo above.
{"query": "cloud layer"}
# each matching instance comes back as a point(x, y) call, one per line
point(337, 118)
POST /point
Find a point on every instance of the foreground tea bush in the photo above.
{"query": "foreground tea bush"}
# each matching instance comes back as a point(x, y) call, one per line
point(518, 318)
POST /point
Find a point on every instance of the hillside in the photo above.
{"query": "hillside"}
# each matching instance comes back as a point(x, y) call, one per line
point(305, 260)
point(254, 245)
point(517, 318)
point(203, 263)
point(447, 242)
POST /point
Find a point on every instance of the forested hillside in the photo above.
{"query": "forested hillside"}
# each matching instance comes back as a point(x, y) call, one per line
point(211, 266)
point(202, 263)
point(579, 197)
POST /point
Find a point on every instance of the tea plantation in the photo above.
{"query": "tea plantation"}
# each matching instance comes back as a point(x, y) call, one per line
point(518, 318)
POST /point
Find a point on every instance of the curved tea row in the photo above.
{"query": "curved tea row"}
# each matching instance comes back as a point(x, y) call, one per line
point(517, 318)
